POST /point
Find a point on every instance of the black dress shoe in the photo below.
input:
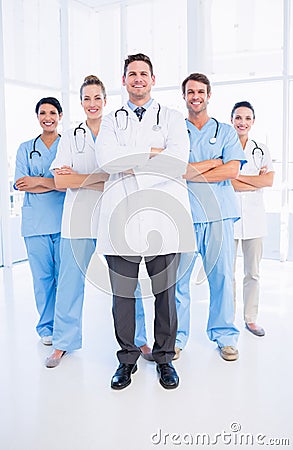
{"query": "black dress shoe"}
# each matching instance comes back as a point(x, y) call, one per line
point(168, 375)
point(122, 377)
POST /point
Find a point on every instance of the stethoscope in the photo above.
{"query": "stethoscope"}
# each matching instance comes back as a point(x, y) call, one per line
point(258, 153)
point(34, 148)
point(213, 139)
point(121, 126)
point(37, 172)
point(77, 131)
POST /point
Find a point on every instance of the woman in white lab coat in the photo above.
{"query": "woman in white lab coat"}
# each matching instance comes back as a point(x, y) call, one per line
point(75, 168)
point(257, 174)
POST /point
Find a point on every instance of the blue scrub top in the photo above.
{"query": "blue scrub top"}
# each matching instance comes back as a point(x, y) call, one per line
point(41, 213)
point(213, 201)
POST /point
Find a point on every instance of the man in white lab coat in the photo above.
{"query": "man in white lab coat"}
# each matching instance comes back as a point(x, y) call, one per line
point(145, 213)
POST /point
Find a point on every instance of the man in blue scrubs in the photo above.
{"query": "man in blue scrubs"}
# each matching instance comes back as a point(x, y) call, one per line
point(216, 156)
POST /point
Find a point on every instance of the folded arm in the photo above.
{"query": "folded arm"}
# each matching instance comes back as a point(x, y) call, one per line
point(257, 181)
point(66, 177)
point(201, 173)
point(35, 185)
point(196, 169)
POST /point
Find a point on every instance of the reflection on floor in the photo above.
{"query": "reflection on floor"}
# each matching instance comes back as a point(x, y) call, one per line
point(246, 404)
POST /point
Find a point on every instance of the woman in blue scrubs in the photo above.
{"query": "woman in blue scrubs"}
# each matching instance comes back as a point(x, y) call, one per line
point(42, 211)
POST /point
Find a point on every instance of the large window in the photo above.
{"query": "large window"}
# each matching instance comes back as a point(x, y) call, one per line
point(31, 31)
point(159, 29)
point(247, 39)
point(245, 49)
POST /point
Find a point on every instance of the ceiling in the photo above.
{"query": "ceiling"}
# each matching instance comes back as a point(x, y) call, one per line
point(99, 3)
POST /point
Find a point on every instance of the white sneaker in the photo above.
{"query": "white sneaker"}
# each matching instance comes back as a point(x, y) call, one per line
point(46, 340)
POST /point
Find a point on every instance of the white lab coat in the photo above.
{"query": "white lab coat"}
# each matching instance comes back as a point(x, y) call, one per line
point(81, 206)
point(147, 212)
point(252, 223)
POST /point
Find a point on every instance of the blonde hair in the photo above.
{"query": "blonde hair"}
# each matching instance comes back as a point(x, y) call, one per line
point(90, 80)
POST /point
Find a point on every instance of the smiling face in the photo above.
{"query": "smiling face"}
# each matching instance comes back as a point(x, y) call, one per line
point(196, 97)
point(48, 117)
point(242, 120)
point(93, 101)
point(138, 82)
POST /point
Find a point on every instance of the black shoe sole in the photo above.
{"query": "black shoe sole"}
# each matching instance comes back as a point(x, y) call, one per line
point(119, 388)
point(168, 386)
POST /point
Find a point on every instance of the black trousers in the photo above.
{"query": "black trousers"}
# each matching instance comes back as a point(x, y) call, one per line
point(123, 276)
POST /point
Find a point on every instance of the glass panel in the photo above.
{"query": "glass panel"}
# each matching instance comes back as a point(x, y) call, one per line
point(171, 98)
point(244, 44)
point(290, 43)
point(162, 35)
point(31, 47)
point(83, 55)
point(139, 37)
point(109, 60)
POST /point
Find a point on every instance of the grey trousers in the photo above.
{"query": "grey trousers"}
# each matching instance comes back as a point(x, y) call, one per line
point(123, 277)
point(252, 254)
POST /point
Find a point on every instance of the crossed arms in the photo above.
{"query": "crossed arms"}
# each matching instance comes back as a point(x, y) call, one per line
point(64, 178)
point(212, 171)
point(254, 182)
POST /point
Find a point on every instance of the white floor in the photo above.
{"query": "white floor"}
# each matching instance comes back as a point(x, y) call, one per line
point(248, 403)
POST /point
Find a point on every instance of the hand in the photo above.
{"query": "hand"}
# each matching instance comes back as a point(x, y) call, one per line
point(217, 162)
point(25, 183)
point(65, 170)
point(263, 170)
point(155, 151)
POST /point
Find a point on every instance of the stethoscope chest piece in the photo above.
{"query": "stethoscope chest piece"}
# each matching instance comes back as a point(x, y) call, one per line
point(36, 160)
point(156, 127)
point(121, 119)
point(213, 139)
point(79, 138)
point(257, 155)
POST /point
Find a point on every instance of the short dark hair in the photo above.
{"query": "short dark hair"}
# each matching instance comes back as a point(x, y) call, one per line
point(243, 104)
point(200, 77)
point(51, 101)
point(137, 57)
point(90, 80)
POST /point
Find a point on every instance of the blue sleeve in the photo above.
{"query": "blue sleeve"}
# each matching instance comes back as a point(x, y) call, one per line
point(22, 167)
point(232, 148)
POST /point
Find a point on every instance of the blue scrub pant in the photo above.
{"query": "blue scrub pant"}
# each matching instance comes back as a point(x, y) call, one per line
point(44, 259)
point(75, 258)
point(215, 242)
point(140, 330)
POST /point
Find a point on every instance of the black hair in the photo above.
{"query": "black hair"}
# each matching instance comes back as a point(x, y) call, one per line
point(51, 101)
point(90, 80)
point(243, 104)
point(137, 57)
point(200, 77)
